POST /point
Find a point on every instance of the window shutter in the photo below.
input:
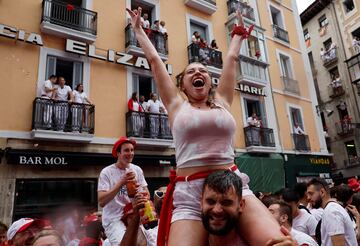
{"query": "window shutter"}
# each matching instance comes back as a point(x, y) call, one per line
point(77, 74)
point(50, 66)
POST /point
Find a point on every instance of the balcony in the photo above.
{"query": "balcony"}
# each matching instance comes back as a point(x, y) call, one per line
point(335, 91)
point(352, 161)
point(301, 142)
point(159, 40)
point(59, 120)
point(344, 127)
point(66, 20)
point(207, 56)
point(353, 65)
point(252, 70)
point(280, 33)
point(149, 128)
point(330, 58)
point(259, 139)
point(205, 6)
point(246, 10)
point(290, 85)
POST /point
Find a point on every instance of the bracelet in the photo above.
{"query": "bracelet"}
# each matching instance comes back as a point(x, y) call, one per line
point(241, 31)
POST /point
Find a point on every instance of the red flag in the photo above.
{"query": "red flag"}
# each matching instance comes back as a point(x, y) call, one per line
point(70, 7)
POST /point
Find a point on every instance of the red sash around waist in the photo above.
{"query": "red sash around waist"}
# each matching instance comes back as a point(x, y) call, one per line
point(167, 204)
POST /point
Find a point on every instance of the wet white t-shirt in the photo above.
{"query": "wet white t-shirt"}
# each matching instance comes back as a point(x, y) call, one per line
point(302, 238)
point(305, 222)
point(109, 176)
point(336, 221)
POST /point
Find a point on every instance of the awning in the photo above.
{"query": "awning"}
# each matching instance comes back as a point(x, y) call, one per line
point(266, 172)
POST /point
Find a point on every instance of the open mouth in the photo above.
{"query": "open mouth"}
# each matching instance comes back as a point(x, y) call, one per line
point(198, 83)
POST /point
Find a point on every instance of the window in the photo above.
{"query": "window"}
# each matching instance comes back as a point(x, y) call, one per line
point(258, 107)
point(334, 73)
point(327, 44)
point(276, 17)
point(147, 8)
point(201, 29)
point(296, 118)
point(348, 5)
point(342, 110)
point(72, 71)
point(144, 85)
point(351, 149)
point(323, 21)
point(306, 34)
point(285, 66)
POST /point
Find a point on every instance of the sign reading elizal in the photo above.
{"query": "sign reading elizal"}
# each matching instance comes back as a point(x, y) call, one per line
point(81, 48)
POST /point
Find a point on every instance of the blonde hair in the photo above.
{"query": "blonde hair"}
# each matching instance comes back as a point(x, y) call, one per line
point(211, 95)
point(48, 232)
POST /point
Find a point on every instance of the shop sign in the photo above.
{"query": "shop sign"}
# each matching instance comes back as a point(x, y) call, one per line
point(42, 160)
point(320, 161)
point(252, 90)
point(81, 48)
point(164, 162)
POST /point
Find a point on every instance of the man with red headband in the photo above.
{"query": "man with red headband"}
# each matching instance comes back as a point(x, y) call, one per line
point(112, 193)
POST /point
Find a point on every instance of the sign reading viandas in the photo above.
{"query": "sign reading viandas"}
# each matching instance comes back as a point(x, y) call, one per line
point(81, 48)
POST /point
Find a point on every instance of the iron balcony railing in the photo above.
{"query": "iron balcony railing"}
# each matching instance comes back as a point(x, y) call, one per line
point(280, 33)
point(63, 116)
point(301, 142)
point(205, 55)
point(158, 39)
point(70, 16)
point(330, 57)
point(335, 91)
point(344, 127)
point(147, 125)
point(259, 136)
point(253, 69)
point(290, 85)
point(246, 10)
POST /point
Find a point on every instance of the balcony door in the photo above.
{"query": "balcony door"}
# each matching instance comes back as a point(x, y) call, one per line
point(296, 118)
point(72, 71)
point(144, 86)
point(256, 106)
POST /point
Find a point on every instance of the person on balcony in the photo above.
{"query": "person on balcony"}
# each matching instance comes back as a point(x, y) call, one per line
point(137, 117)
point(299, 137)
point(332, 51)
point(204, 51)
point(336, 85)
point(47, 92)
point(142, 103)
point(156, 26)
point(63, 96)
point(253, 134)
point(356, 45)
point(203, 130)
point(162, 28)
point(79, 109)
point(154, 107)
point(298, 130)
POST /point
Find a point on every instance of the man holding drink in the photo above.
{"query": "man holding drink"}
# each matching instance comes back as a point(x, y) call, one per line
point(117, 184)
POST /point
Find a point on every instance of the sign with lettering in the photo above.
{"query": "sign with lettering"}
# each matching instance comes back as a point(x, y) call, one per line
point(320, 161)
point(42, 160)
point(81, 48)
point(252, 90)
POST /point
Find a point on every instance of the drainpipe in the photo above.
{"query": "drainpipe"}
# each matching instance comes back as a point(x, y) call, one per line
point(343, 48)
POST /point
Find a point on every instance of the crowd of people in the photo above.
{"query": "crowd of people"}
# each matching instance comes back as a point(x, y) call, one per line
point(204, 52)
point(329, 54)
point(57, 100)
point(148, 118)
point(356, 44)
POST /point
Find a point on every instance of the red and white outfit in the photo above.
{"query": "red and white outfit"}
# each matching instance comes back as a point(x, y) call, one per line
point(113, 210)
point(201, 138)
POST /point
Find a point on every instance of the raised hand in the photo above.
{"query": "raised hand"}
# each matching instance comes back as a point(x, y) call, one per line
point(135, 17)
point(239, 17)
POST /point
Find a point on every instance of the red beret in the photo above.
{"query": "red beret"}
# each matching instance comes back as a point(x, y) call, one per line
point(118, 144)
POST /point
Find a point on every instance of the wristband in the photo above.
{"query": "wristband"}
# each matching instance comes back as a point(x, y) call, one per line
point(241, 31)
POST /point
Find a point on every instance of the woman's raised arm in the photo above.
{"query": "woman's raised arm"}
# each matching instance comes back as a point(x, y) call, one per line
point(225, 90)
point(167, 89)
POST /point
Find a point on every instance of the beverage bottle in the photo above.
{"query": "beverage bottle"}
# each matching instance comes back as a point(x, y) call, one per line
point(131, 187)
point(148, 216)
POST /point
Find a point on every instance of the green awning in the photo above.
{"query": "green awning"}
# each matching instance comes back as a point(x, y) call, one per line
point(266, 172)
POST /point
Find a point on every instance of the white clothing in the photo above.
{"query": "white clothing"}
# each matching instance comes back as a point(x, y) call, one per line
point(317, 213)
point(298, 130)
point(302, 238)
point(136, 106)
point(62, 94)
point(145, 23)
point(47, 85)
point(305, 222)
point(154, 107)
point(80, 97)
point(253, 122)
point(74, 242)
point(143, 105)
point(162, 29)
point(150, 235)
point(109, 176)
point(115, 231)
point(336, 221)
